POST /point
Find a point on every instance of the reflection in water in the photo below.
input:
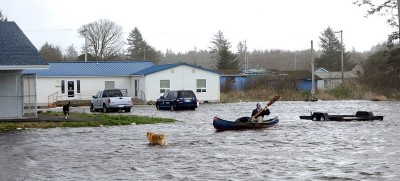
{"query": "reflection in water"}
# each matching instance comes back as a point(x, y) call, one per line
point(293, 149)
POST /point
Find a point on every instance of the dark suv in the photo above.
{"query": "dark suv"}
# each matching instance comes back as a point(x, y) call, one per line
point(181, 99)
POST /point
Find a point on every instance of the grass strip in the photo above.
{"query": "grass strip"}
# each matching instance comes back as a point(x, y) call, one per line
point(85, 120)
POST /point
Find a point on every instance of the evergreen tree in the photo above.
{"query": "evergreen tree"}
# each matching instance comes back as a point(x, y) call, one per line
point(2, 17)
point(225, 58)
point(139, 49)
point(331, 57)
point(51, 52)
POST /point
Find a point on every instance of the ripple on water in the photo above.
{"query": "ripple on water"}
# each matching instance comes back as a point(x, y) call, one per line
point(292, 150)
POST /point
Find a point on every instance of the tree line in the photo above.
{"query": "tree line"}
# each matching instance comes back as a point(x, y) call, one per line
point(381, 64)
point(104, 40)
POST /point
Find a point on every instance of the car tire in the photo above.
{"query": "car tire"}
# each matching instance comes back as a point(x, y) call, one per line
point(92, 108)
point(158, 107)
point(128, 110)
point(105, 108)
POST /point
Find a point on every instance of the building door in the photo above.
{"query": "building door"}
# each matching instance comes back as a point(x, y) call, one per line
point(71, 88)
point(136, 88)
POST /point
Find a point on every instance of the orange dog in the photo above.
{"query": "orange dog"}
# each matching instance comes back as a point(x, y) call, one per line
point(156, 139)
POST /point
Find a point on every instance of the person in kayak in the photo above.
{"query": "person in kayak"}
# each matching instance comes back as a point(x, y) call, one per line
point(260, 118)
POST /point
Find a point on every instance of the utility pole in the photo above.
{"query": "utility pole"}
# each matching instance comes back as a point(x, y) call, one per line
point(195, 55)
point(312, 72)
point(398, 14)
point(84, 35)
point(85, 48)
point(341, 49)
point(246, 63)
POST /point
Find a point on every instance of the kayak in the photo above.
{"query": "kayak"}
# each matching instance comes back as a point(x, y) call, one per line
point(242, 123)
point(359, 116)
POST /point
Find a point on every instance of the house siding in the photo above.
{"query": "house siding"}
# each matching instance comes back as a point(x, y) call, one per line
point(183, 78)
point(89, 86)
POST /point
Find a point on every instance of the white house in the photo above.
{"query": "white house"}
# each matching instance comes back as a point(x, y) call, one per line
point(141, 80)
point(330, 80)
point(17, 90)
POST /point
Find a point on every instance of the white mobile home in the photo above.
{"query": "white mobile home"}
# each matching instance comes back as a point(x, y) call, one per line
point(141, 80)
point(156, 80)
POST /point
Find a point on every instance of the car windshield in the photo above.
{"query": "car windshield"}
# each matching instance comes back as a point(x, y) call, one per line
point(185, 94)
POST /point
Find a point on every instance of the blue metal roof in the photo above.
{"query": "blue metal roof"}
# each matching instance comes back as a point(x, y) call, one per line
point(15, 47)
point(158, 68)
point(123, 68)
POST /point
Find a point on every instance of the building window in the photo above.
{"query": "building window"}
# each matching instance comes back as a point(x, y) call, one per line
point(62, 86)
point(164, 86)
point(201, 85)
point(78, 86)
point(109, 85)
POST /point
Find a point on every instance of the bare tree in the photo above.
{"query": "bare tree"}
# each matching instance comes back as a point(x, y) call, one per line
point(104, 38)
point(72, 54)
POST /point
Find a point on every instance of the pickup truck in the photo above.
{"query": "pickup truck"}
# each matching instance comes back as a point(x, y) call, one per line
point(110, 100)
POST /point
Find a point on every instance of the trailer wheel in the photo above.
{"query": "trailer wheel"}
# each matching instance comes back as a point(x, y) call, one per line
point(318, 116)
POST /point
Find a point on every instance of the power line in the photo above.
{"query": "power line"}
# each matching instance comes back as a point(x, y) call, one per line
point(66, 29)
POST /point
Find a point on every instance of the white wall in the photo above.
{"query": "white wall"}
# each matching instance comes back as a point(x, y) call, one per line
point(11, 94)
point(327, 84)
point(183, 78)
point(89, 86)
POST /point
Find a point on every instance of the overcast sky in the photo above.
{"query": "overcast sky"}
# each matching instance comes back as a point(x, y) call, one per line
point(182, 25)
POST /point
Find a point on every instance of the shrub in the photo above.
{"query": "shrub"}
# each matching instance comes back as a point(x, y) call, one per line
point(342, 91)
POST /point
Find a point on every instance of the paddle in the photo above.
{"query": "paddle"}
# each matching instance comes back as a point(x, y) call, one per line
point(277, 97)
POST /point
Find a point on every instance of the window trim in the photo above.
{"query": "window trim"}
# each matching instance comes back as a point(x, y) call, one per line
point(164, 90)
point(201, 89)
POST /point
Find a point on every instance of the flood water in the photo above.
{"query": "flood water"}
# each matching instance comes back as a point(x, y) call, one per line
point(294, 149)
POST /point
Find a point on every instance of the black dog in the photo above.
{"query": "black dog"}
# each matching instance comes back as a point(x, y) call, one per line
point(66, 110)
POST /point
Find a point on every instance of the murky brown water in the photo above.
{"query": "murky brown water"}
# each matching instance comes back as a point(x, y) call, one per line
point(294, 149)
